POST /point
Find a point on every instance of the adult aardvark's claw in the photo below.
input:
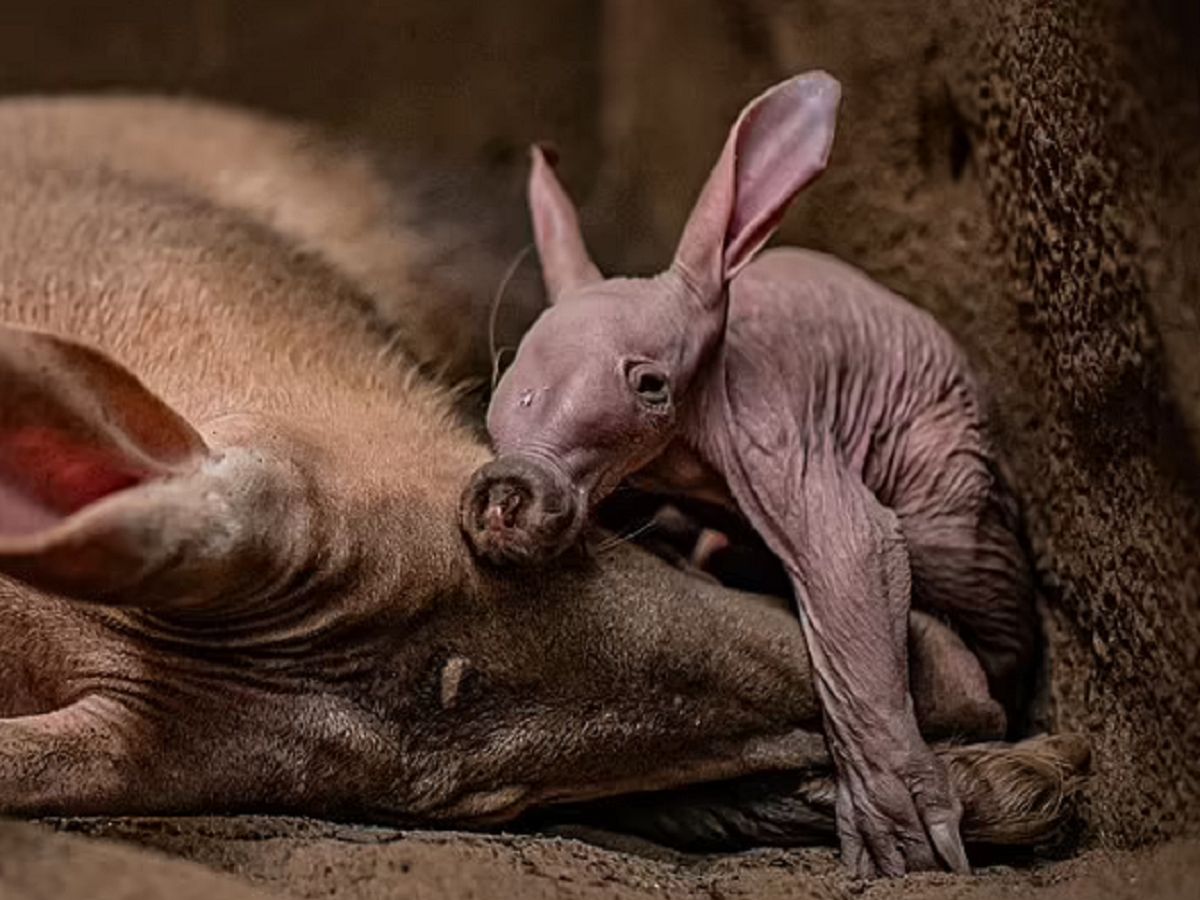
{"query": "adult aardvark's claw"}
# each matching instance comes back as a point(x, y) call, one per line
point(893, 821)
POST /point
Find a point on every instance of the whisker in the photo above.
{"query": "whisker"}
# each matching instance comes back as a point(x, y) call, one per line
point(499, 355)
point(619, 539)
point(495, 311)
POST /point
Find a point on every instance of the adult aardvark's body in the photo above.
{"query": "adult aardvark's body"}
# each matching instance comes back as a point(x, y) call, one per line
point(843, 422)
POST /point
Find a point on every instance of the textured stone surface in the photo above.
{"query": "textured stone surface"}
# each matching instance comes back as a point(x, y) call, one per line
point(1063, 142)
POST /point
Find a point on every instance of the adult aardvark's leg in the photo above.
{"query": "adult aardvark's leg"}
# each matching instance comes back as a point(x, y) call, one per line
point(1012, 795)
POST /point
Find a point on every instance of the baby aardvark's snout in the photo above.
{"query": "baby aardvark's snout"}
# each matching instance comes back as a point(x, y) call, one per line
point(520, 510)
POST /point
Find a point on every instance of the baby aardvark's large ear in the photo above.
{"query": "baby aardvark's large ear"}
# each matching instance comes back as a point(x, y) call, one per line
point(106, 493)
point(780, 143)
point(565, 260)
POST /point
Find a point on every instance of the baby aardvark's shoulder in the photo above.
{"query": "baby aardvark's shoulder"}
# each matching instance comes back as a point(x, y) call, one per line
point(793, 284)
point(815, 346)
point(793, 304)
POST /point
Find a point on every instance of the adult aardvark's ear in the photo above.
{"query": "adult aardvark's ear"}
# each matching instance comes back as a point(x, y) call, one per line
point(106, 493)
point(780, 142)
point(565, 260)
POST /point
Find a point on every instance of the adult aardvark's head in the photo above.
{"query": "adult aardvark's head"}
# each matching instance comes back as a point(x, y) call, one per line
point(595, 387)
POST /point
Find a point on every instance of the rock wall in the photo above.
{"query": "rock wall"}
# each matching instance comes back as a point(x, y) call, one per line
point(1076, 181)
point(1029, 171)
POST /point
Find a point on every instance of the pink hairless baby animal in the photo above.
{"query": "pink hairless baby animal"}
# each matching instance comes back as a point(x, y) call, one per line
point(843, 422)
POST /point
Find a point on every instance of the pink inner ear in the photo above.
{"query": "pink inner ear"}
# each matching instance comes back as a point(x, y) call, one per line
point(46, 475)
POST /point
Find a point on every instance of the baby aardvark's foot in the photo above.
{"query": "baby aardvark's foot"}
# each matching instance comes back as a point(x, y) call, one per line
point(896, 810)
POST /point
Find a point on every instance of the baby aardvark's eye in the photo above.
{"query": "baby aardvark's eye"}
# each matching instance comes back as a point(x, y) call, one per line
point(650, 383)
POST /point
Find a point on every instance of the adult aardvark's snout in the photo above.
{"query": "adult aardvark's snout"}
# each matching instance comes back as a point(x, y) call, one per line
point(516, 509)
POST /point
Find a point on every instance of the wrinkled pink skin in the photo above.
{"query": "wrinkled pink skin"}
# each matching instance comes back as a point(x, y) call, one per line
point(841, 421)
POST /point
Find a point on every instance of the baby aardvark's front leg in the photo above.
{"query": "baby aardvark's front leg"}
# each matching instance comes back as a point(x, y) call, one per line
point(846, 557)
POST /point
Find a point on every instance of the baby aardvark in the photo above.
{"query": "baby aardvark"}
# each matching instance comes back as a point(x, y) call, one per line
point(841, 421)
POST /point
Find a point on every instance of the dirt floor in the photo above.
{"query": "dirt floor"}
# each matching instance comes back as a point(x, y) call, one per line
point(303, 859)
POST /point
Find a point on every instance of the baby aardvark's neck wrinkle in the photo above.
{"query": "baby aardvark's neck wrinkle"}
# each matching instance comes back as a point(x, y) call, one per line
point(704, 418)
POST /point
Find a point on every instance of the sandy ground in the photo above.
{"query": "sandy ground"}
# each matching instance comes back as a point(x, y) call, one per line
point(149, 858)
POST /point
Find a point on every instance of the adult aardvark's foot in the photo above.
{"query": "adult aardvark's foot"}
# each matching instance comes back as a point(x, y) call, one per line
point(896, 811)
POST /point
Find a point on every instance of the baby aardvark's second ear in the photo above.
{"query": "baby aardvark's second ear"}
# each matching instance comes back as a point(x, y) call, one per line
point(565, 260)
point(779, 144)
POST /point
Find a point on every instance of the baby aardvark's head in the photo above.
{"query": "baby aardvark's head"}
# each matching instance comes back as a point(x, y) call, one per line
point(594, 391)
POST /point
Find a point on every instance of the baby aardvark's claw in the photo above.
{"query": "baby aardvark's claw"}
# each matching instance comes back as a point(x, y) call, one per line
point(948, 843)
point(895, 821)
